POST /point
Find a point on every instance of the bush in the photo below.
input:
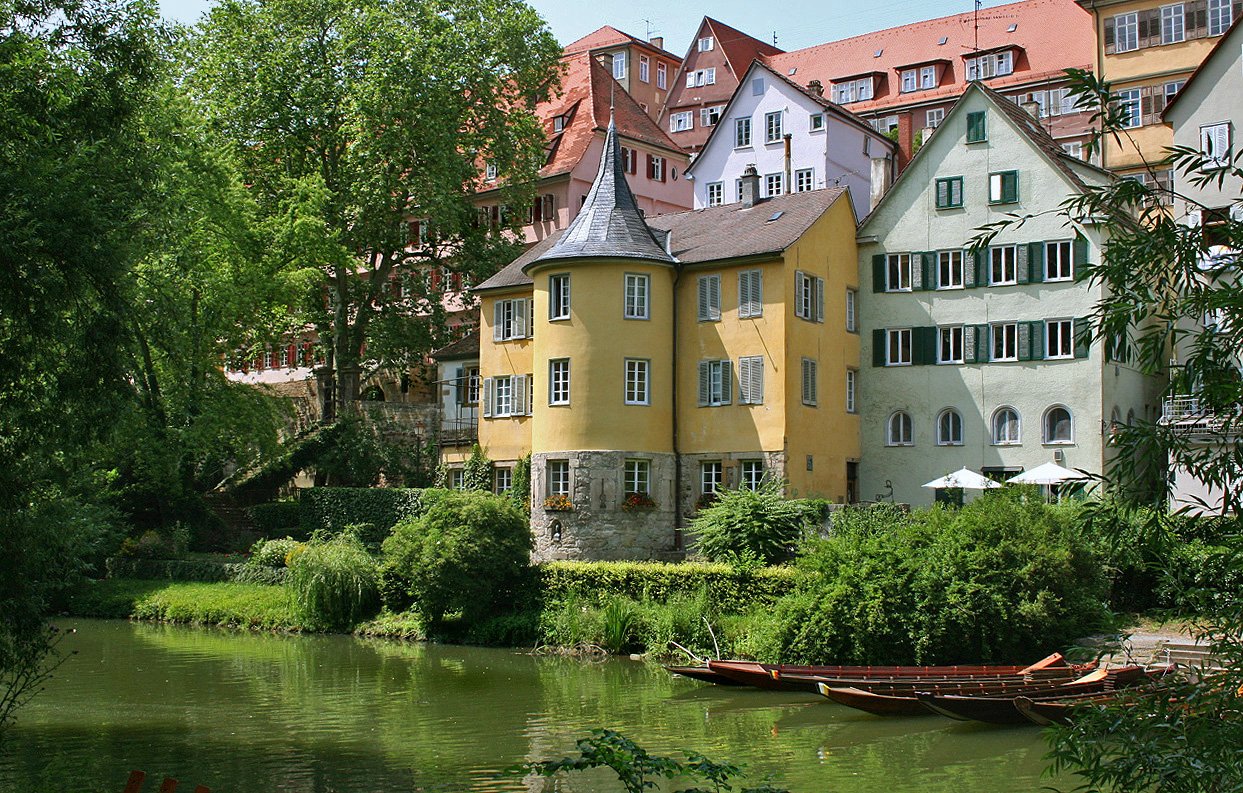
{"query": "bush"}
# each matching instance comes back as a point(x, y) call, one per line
point(278, 519)
point(469, 553)
point(167, 569)
point(272, 553)
point(477, 472)
point(759, 524)
point(333, 581)
point(1005, 579)
point(725, 588)
point(331, 509)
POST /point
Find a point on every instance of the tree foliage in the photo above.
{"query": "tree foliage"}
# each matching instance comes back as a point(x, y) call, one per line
point(759, 525)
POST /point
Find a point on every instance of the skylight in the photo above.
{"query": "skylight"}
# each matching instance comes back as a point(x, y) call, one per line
point(793, 69)
point(1012, 28)
point(775, 216)
point(878, 53)
point(943, 40)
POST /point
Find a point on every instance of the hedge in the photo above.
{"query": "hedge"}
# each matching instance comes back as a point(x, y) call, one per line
point(190, 570)
point(278, 519)
point(729, 589)
point(379, 508)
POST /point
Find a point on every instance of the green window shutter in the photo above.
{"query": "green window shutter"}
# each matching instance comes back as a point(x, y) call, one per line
point(1025, 341)
point(977, 127)
point(878, 272)
point(928, 269)
point(1022, 271)
point(979, 268)
point(943, 193)
point(1080, 254)
point(956, 191)
point(1010, 187)
point(1038, 343)
point(924, 342)
point(1083, 336)
point(1035, 262)
point(983, 343)
point(968, 269)
point(878, 347)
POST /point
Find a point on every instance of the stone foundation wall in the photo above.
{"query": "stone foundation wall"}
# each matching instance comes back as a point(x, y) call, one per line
point(774, 468)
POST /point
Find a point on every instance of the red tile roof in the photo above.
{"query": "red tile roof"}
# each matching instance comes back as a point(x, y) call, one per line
point(586, 91)
point(609, 36)
point(739, 48)
point(1053, 35)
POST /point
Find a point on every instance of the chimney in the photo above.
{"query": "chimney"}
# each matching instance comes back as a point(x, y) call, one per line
point(1032, 108)
point(750, 192)
point(816, 87)
point(658, 42)
point(879, 179)
point(906, 139)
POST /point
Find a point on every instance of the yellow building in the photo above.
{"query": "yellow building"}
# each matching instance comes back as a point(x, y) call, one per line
point(645, 363)
point(1146, 50)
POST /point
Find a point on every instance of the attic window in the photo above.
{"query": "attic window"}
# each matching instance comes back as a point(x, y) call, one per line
point(943, 41)
point(1012, 28)
point(878, 53)
point(793, 69)
point(775, 216)
point(558, 123)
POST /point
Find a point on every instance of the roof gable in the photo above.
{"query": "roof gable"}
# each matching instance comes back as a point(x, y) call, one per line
point(1232, 34)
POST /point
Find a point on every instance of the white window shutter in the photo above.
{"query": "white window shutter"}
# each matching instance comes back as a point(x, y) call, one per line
point(819, 300)
point(727, 382)
point(498, 321)
point(488, 383)
point(705, 382)
point(690, 79)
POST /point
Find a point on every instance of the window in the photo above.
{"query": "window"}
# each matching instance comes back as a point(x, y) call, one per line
point(1219, 16)
point(1215, 144)
point(1003, 187)
point(992, 65)
point(558, 477)
point(505, 396)
point(645, 69)
point(1129, 106)
point(750, 294)
point(1058, 261)
point(509, 320)
point(701, 77)
point(852, 91)
point(774, 184)
point(637, 475)
point(898, 272)
point(742, 132)
point(949, 192)
point(928, 79)
point(898, 347)
point(1074, 149)
point(752, 474)
point(898, 430)
point(751, 380)
point(808, 297)
point(1172, 24)
point(284, 356)
point(772, 127)
point(636, 296)
point(661, 75)
point(950, 344)
point(637, 388)
point(804, 180)
point(466, 385)
point(709, 298)
point(559, 381)
point(502, 480)
point(910, 80)
point(715, 382)
point(809, 382)
point(1057, 426)
point(619, 65)
point(934, 117)
point(709, 116)
point(1126, 32)
point(1006, 430)
point(949, 270)
point(852, 321)
point(815, 122)
point(710, 477)
point(1003, 265)
point(559, 296)
point(489, 172)
point(705, 44)
point(949, 428)
point(1005, 341)
point(656, 168)
point(977, 127)
point(1059, 335)
point(558, 124)
point(851, 380)
point(682, 122)
point(1171, 89)
point(457, 478)
point(716, 194)
point(630, 161)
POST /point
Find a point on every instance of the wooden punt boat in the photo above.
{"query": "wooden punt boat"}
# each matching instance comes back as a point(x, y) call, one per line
point(1044, 712)
point(702, 674)
point(907, 702)
point(1001, 709)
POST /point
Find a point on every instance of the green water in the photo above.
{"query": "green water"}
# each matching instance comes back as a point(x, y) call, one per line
point(253, 712)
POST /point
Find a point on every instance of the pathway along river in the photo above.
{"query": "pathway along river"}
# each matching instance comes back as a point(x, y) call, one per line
point(253, 713)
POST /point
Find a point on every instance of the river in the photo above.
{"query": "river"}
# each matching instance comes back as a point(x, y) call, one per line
point(250, 712)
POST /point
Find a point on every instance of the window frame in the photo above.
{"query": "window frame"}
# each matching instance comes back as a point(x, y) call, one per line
point(928, 78)
point(905, 436)
point(904, 347)
point(998, 179)
point(637, 382)
point(1063, 261)
point(1046, 437)
point(619, 65)
point(742, 133)
point(557, 479)
point(852, 385)
point(507, 474)
point(1174, 22)
point(852, 310)
point(1004, 439)
point(750, 474)
point(1008, 265)
point(1132, 99)
point(1128, 22)
point(945, 436)
point(892, 259)
point(956, 337)
point(946, 264)
point(708, 47)
point(558, 297)
point(810, 370)
point(711, 476)
point(645, 69)
point(1008, 335)
point(636, 302)
point(662, 76)
point(771, 179)
point(950, 183)
point(637, 477)
point(815, 122)
point(558, 381)
point(929, 120)
point(715, 198)
point(977, 124)
point(804, 180)
point(1224, 10)
point(719, 382)
point(905, 86)
point(773, 127)
point(682, 121)
point(1065, 339)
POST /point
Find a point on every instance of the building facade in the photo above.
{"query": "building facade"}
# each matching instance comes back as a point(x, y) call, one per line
point(645, 363)
point(982, 358)
point(796, 140)
point(643, 68)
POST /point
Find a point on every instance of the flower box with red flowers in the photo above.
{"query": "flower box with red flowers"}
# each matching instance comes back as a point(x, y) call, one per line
point(635, 501)
point(559, 503)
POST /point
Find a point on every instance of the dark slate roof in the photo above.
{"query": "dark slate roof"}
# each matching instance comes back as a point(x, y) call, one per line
point(705, 235)
point(465, 347)
point(609, 224)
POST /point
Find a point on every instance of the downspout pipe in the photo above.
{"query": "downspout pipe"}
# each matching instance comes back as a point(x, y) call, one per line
point(678, 542)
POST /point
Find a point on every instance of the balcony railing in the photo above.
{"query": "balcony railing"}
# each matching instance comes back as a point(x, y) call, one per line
point(1188, 412)
point(459, 431)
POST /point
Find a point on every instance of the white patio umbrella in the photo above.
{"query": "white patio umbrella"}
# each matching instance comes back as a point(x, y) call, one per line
point(1048, 474)
point(964, 478)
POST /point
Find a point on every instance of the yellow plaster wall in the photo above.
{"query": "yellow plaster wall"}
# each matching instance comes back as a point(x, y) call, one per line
point(597, 340)
point(826, 431)
point(1146, 62)
point(1151, 142)
point(504, 438)
point(733, 427)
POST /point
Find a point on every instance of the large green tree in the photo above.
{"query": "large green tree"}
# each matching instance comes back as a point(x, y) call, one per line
point(360, 116)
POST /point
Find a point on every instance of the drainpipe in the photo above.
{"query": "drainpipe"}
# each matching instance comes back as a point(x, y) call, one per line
point(789, 188)
point(677, 454)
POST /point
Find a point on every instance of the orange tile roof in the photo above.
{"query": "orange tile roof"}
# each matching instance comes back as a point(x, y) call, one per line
point(739, 48)
point(609, 36)
point(586, 90)
point(1053, 34)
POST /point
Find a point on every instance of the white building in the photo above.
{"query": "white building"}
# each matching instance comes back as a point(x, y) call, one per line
point(796, 139)
point(980, 359)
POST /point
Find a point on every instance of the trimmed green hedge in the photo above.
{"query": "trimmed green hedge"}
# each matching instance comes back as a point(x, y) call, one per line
point(728, 589)
point(278, 519)
point(334, 508)
point(190, 570)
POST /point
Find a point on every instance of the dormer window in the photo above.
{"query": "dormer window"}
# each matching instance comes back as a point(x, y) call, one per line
point(992, 64)
point(853, 90)
point(558, 124)
point(619, 65)
point(490, 172)
point(910, 80)
point(927, 77)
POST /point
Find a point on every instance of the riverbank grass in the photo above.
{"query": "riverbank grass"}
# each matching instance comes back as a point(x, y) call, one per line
point(228, 604)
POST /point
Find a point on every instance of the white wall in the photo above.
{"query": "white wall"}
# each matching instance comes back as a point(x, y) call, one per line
point(836, 153)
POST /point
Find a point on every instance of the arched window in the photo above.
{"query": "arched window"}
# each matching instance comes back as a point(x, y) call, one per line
point(898, 431)
point(1057, 425)
point(949, 428)
point(1006, 427)
point(1130, 417)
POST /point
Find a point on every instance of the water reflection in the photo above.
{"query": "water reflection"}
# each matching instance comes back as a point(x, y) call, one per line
point(257, 712)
